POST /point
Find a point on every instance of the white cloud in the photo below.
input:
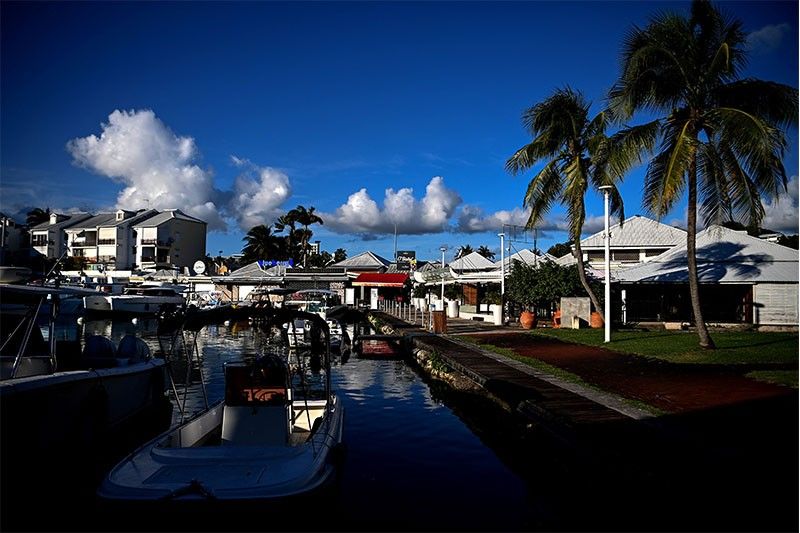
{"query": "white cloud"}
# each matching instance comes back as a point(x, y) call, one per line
point(767, 38)
point(362, 215)
point(156, 166)
point(781, 213)
point(159, 170)
point(258, 202)
point(472, 219)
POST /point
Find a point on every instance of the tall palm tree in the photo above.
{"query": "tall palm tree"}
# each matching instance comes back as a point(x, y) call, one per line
point(260, 243)
point(718, 134)
point(486, 252)
point(306, 217)
point(575, 152)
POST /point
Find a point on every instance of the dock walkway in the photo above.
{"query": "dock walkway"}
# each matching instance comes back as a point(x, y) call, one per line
point(543, 398)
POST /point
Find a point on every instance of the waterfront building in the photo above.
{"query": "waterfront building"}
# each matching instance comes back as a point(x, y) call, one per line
point(743, 280)
point(50, 238)
point(170, 239)
point(13, 240)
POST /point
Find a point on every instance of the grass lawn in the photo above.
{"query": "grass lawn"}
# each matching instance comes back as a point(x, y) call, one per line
point(733, 347)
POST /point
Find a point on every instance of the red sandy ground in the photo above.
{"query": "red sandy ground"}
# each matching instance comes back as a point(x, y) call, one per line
point(671, 387)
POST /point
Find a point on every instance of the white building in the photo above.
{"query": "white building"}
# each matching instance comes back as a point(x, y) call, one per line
point(107, 241)
point(638, 240)
point(743, 279)
point(169, 239)
point(50, 238)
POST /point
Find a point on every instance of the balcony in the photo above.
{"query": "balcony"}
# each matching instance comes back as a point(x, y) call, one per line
point(106, 259)
point(106, 241)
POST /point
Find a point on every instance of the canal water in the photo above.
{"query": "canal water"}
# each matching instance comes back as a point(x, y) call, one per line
point(416, 457)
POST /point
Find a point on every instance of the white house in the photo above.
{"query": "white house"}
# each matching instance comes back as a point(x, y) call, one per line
point(743, 279)
point(169, 239)
point(637, 240)
point(50, 238)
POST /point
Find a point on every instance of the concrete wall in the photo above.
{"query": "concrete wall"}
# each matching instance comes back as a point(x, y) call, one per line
point(580, 306)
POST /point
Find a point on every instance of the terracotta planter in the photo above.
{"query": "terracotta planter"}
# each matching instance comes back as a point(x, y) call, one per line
point(527, 320)
point(557, 318)
point(596, 320)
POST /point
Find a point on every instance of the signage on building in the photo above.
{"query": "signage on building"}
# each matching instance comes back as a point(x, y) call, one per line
point(406, 260)
point(267, 263)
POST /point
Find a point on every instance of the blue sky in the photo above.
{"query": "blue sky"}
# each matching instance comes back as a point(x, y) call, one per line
point(236, 112)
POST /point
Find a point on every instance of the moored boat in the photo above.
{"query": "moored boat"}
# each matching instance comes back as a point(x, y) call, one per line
point(274, 435)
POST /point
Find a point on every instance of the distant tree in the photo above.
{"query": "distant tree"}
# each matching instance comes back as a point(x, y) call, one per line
point(260, 243)
point(339, 255)
point(36, 216)
point(485, 252)
point(560, 249)
point(464, 251)
point(305, 217)
point(320, 260)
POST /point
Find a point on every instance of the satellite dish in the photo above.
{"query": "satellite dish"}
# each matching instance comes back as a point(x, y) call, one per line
point(199, 267)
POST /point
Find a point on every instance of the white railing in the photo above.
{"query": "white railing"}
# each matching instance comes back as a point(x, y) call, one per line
point(409, 313)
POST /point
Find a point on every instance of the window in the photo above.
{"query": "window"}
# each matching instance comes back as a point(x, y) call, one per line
point(626, 255)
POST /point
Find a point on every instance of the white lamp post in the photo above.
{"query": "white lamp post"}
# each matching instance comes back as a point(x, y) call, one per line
point(607, 238)
point(443, 249)
point(502, 275)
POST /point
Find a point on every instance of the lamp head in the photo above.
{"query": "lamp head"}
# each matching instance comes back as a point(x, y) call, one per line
point(605, 188)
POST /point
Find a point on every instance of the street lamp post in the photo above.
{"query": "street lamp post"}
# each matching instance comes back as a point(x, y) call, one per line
point(607, 239)
point(443, 249)
point(502, 276)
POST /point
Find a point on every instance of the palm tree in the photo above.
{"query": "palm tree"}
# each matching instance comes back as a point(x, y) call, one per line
point(576, 155)
point(260, 244)
point(36, 216)
point(464, 251)
point(717, 132)
point(289, 221)
point(486, 252)
point(339, 255)
point(306, 217)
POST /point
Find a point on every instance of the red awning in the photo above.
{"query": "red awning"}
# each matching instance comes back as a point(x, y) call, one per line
point(371, 279)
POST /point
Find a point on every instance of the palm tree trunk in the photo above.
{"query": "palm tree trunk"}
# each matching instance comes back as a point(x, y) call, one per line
point(582, 276)
point(691, 247)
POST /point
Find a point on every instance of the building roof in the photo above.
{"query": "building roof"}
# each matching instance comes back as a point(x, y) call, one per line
point(140, 215)
point(168, 214)
point(638, 232)
point(364, 260)
point(723, 256)
point(69, 221)
point(102, 219)
point(376, 279)
point(253, 271)
point(526, 256)
point(472, 261)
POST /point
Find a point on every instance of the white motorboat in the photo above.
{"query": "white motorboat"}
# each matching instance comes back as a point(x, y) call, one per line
point(141, 300)
point(275, 435)
point(55, 396)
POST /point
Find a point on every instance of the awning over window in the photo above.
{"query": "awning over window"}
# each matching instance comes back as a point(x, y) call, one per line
point(370, 279)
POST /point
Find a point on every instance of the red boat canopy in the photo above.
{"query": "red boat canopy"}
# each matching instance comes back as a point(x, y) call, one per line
point(371, 279)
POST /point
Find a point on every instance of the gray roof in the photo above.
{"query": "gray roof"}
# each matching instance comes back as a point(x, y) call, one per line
point(68, 222)
point(723, 256)
point(102, 219)
point(472, 261)
point(526, 256)
point(638, 232)
point(133, 221)
point(169, 214)
point(252, 271)
point(364, 260)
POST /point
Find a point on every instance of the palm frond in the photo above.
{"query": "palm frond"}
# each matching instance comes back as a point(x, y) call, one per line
point(745, 200)
point(774, 102)
point(527, 156)
point(543, 191)
point(715, 202)
point(665, 178)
